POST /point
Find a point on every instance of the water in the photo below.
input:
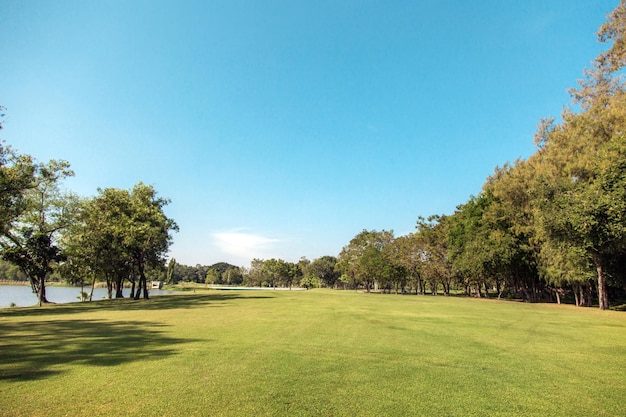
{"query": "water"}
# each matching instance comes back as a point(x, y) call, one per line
point(22, 296)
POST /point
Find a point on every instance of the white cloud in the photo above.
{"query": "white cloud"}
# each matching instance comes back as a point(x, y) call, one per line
point(244, 246)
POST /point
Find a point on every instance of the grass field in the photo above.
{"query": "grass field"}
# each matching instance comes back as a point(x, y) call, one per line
point(314, 353)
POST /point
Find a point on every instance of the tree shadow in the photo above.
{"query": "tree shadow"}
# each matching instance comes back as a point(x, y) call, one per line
point(39, 349)
point(159, 302)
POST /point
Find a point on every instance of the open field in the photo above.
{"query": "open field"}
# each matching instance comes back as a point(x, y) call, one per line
point(311, 353)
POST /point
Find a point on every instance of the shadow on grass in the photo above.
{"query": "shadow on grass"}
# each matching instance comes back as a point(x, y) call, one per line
point(159, 302)
point(39, 349)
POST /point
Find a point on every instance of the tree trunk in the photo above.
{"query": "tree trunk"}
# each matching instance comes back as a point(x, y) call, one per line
point(501, 289)
point(138, 291)
point(119, 287)
point(143, 280)
point(93, 285)
point(38, 287)
point(583, 299)
point(42, 292)
point(110, 287)
point(603, 297)
point(145, 288)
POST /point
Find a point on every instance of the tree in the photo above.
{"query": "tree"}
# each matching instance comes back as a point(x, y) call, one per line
point(323, 269)
point(408, 254)
point(481, 249)
point(580, 186)
point(432, 233)
point(171, 265)
point(278, 271)
point(10, 272)
point(120, 234)
point(31, 241)
point(511, 216)
point(363, 261)
point(95, 242)
point(589, 213)
point(148, 236)
point(213, 277)
point(233, 276)
point(17, 176)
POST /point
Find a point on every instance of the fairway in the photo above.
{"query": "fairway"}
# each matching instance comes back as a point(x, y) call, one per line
point(311, 353)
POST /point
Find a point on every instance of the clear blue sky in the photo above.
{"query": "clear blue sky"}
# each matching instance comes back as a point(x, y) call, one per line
point(283, 128)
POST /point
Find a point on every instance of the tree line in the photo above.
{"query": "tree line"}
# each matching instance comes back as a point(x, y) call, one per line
point(261, 273)
point(541, 228)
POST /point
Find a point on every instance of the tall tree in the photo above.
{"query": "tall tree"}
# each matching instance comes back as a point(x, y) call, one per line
point(408, 253)
point(511, 215)
point(95, 242)
point(580, 185)
point(323, 269)
point(171, 265)
point(481, 250)
point(148, 237)
point(233, 276)
point(278, 271)
point(16, 177)
point(119, 235)
point(363, 261)
point(432, 233)
point(31, 241)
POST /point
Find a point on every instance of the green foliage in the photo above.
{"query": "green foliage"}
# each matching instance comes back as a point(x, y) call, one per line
point(233, 276)
point(170, 271)
point(222, 273)
point(213, 277)
point(17, 176)
point(548, 224)
point(363, 260)
point(11, 272)
point(119, 235)
point(28, 239)
point(433, 246)
point(322, 270)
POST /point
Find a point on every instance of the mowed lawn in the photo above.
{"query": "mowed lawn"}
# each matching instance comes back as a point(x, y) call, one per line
point(311, 353)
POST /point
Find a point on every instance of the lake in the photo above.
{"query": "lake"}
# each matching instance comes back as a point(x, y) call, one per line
point(22, 296)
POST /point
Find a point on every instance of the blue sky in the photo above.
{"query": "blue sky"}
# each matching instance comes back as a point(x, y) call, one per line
point(284, 128)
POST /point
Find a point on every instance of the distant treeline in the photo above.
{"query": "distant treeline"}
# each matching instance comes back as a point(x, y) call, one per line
point(219, 273)
point(10, 272)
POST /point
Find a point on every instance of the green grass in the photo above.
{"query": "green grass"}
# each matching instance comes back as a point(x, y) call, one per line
point(314, 353)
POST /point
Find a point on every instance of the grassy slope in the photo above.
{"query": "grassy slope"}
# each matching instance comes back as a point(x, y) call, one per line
point(315, 353)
